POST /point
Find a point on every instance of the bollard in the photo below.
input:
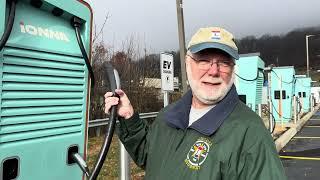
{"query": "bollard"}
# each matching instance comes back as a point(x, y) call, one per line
point(260, 110)
point(124, 163)
point(98, 131)
point(295, 109)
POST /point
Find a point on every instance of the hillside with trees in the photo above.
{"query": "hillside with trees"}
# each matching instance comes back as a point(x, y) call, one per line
point(284, 50)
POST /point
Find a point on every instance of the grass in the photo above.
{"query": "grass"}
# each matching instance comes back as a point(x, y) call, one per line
point(110, 169)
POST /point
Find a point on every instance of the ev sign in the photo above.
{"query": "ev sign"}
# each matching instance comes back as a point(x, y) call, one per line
point(166, 65)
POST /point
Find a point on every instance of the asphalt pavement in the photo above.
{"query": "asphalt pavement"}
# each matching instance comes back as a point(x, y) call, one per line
point(301, 156)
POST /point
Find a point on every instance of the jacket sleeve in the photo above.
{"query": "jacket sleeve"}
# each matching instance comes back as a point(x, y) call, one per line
point(260, 162)
point(133, 133)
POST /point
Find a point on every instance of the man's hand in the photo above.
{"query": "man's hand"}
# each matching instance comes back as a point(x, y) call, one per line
point(125, 108)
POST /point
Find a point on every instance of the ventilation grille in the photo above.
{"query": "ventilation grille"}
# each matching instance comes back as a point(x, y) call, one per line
point(259, 88)
point(43, 95)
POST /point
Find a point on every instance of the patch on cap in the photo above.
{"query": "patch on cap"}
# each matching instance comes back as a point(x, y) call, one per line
point(213, 37)
point(216, 35)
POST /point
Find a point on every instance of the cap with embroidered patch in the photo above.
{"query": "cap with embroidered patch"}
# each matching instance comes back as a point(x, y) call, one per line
point(213, 37)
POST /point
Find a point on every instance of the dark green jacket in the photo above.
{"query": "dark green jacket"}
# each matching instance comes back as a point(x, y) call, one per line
point(230, 142)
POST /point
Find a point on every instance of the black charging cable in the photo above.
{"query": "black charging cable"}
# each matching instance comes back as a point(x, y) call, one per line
point(257, 76)
point(273, 121)
point(9, 26)
point(76, 22)
point(114, 83)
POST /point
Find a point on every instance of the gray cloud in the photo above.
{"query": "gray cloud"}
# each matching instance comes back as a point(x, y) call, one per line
point(155, 22)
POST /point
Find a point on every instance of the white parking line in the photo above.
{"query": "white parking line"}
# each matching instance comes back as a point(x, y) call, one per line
point(306, 137)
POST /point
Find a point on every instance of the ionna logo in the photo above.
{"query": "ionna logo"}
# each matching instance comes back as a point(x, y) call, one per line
point(43, 32)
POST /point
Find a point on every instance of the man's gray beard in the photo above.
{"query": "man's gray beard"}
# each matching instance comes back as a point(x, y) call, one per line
point(218, 96)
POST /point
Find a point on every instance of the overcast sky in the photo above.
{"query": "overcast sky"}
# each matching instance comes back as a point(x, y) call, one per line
point(154, 22)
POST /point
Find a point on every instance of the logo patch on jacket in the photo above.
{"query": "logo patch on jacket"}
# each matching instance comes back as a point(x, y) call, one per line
point(198, 153)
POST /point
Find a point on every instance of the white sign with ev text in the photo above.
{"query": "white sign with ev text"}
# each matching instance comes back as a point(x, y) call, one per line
point(166, 66)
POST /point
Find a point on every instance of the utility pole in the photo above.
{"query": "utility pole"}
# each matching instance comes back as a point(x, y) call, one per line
point(307, 52)
point(182, 45)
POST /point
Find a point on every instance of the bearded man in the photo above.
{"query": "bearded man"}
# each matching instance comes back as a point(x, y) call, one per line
point(208, 134)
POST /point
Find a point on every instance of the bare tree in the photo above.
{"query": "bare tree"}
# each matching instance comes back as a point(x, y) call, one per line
point(133, 67)
point(100, 33)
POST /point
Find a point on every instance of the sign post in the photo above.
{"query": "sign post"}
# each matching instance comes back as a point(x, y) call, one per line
point(166, 66)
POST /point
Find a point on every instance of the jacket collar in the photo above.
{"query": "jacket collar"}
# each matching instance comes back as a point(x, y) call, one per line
point(177, 115)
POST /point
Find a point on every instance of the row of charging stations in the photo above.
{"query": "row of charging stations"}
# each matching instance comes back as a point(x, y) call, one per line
point(283, 84)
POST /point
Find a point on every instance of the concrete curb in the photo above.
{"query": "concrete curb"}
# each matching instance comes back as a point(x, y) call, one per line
point(285, 137)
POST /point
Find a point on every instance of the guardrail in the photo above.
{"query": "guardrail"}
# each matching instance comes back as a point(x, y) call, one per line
point(103, 122)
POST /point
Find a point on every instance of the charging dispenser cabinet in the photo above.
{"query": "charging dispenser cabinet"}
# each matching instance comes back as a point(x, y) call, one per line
point(249, 79)
point(282, 91)
point(44, 89)
point(303, 91)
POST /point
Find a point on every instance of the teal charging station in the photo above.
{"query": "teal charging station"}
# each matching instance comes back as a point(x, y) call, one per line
point(303, 91)
point(249, 79)
point(282, 91)
point(44, 89)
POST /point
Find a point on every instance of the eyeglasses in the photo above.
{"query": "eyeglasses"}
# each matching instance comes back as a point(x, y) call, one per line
point(205, 63)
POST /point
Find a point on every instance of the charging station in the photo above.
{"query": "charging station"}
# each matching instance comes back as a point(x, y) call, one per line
point(249, 79)
point(44, 88)
point(282, 91)
point(303, 91)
